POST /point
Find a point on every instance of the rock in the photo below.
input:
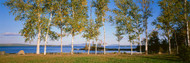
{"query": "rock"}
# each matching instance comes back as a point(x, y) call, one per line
point(21, 52)
point(159, 52)
point(2, 52)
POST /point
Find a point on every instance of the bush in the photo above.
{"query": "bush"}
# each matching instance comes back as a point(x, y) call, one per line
point(124, 53)
point(114, 52)
point(184, 53)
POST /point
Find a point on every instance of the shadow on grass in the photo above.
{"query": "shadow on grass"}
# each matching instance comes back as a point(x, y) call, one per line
point(164, 57)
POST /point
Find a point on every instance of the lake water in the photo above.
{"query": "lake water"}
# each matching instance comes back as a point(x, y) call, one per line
point(55, 49)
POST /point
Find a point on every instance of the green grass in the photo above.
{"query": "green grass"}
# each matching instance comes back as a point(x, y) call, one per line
point(83, 58)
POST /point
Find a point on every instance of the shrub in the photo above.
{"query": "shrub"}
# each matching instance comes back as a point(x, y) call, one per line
point(114, 52)
point(124, 52)
point(184, 53)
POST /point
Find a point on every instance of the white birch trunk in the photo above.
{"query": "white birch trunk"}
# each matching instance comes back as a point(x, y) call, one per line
point(61, 42)
point(187, 23)
point(146, 50)
point(39, 38)
point(72, 32)
point(139, 37)
point(131, 49)
point(72, 44)
point(146, 45)
point(88, 47)
point(96, 48)
point(119, 47)
point(47, 32)
point(38, 42)
point(104, 38)
point(61, 30)
point(169, 42)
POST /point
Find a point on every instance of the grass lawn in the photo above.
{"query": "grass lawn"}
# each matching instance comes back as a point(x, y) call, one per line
point(84, 58)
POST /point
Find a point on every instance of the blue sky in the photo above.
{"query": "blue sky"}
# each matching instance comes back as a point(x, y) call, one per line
point(9, 28)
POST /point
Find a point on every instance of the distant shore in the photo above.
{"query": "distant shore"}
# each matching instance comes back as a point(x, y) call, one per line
point(55, 45)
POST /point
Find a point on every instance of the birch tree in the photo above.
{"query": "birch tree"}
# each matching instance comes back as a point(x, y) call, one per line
point(187, 22)
point(123, 16)
point(136, 18)
point(49, 7)
point(101, 9)
point(146, 14)
point(119, 33)
point(166, 19)
point(78, 18)
point(90, 31)
point(60, 18)
point(31, 12)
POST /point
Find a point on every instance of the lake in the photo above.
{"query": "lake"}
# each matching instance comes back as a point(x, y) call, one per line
point(56, 49)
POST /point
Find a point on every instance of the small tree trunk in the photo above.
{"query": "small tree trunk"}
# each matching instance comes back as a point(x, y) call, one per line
point(140, 45)
point(88, 47)
point(39, 36)
point(61, 41)
point(104, 38)
point(119, 47)
point(169, 42)
point(72, 31)
point(96, 48)
point(146, 48)
point(145, 9)
point(45, 47)
point(72, 44)
point(38, 43)
point(47, 33)
point(139, 36)
point(61, 31)
point(187, 23)
point(131, 49)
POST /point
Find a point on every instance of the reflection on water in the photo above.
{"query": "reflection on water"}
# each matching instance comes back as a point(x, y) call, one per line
point(55, 49)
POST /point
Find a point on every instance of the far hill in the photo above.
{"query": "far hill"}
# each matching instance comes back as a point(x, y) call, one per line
point(15, 45)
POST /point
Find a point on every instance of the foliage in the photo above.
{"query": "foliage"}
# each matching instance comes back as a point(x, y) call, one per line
point(101, 7)
point(184, 53)
point(33, 15)
point(61, 15)
point(119, 33)
point(153, 42)
point(78, 16)
point(91, 31)
point(122, 18)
